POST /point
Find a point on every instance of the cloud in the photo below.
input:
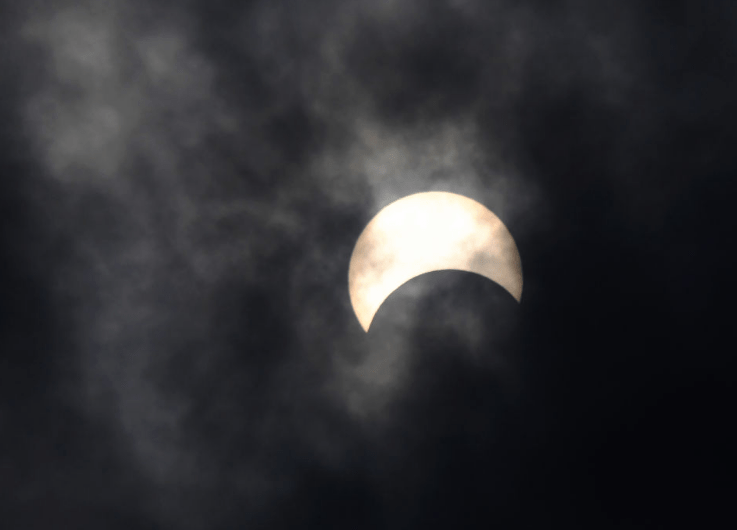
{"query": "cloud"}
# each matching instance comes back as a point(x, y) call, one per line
point(210, 165)
point(203, 176)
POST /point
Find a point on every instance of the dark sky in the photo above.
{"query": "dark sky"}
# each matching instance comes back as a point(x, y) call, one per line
point(181, 187)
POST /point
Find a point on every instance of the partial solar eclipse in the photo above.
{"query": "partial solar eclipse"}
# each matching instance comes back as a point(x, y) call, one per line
point(427, 232)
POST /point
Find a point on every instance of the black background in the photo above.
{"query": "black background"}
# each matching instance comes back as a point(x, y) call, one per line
point(621, 352)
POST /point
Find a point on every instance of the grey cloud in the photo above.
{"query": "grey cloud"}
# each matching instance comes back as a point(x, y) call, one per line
point(150, 117)
point(208, 166)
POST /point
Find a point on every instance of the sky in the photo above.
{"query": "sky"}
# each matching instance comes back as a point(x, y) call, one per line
point(181, 187)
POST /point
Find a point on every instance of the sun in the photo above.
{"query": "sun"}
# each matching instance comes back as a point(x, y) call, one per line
point(428, 232)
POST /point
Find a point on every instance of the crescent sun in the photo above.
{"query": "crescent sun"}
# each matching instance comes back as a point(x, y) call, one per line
point(428, 232)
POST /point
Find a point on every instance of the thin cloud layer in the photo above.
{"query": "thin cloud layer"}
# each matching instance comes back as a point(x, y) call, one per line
point(202, 170)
